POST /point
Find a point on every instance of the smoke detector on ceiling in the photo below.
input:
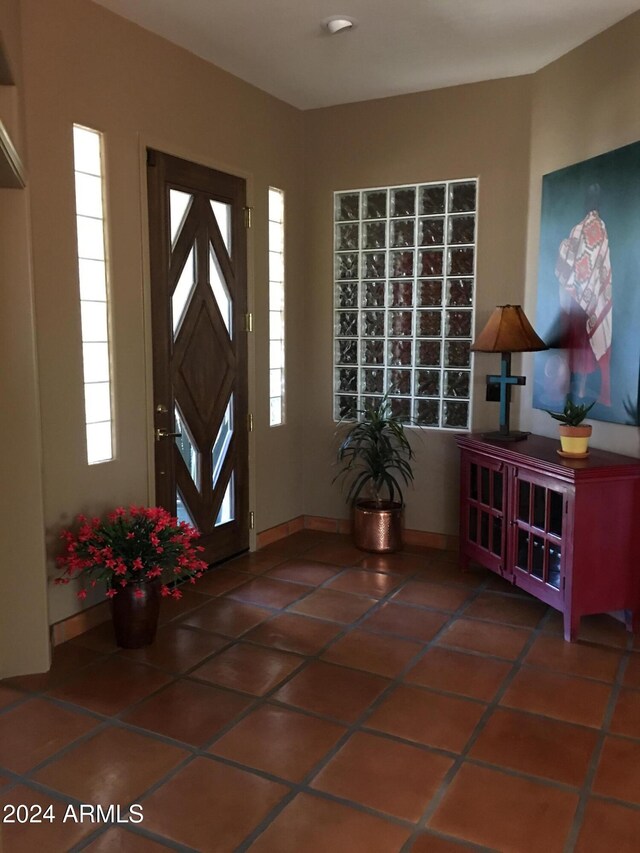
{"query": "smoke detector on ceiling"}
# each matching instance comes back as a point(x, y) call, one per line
point(338, 24)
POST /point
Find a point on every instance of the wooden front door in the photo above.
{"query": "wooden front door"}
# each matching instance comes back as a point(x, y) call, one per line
point(199, 302)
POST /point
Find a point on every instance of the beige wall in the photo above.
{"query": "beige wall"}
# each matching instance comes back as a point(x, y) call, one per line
point(477, 130)
point(83, 64)
point(24, 636)
point(584, 104)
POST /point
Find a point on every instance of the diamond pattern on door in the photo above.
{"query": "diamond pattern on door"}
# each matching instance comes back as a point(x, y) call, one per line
point(198, 269)
point(178, 204)
point(225, 513)
point(219, 290)
point(182, 513)
point(204, 364)
point(186, 446)
point(222, 442)
point(222, 213)
point(183, 291)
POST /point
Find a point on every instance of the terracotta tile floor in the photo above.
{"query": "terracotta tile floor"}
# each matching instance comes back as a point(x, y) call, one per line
point(313, 699)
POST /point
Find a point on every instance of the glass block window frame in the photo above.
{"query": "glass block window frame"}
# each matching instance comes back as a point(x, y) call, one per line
point(93, 274)
point(276, 308)
point(404, 301)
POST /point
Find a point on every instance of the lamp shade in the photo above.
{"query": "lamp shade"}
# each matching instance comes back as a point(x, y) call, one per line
point(508, 330)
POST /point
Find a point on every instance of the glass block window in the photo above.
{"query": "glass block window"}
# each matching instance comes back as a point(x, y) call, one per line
point(276, 307)
point(404, 295)
point(94, 292)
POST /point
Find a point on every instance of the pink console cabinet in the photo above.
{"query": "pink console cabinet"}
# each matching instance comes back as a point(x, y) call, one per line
point(565, 530)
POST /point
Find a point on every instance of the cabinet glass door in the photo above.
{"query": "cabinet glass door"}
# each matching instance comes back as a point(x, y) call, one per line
point(485, 508)
point(539, 514)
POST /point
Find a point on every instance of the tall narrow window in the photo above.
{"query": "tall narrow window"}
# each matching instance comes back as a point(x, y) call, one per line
point(92, 273)
point(276, 307)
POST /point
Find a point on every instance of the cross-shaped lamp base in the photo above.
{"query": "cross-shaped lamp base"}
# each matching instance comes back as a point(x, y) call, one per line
point(504, 381)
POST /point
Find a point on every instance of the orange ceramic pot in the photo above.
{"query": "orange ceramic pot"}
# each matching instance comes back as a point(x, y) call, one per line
point(574, 440)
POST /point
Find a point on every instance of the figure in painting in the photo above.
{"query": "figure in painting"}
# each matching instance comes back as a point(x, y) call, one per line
point(583, 269)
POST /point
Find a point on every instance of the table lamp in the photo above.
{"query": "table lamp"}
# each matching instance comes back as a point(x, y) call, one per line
point(507, 331)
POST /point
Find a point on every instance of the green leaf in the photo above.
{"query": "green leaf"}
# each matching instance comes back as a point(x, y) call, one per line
point(375, 451)
point(573, 413)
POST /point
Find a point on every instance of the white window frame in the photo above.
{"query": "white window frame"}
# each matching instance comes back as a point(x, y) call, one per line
point(277, 317)
point(94, 295)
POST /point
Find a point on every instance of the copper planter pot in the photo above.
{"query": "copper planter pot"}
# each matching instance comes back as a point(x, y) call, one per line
point(377, 527)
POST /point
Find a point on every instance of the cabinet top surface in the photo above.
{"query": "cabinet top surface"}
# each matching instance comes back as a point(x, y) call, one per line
point(540, 451)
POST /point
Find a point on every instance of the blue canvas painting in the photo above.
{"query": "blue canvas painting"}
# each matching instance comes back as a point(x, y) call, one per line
point(588, 308)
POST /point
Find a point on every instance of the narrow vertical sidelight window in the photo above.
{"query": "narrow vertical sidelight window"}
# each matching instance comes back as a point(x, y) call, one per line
point(94, 292)
point(276, 307)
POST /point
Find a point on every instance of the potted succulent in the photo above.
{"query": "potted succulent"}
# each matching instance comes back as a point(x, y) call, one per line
point(375, 455)
point(138, 554)
point(574, 435)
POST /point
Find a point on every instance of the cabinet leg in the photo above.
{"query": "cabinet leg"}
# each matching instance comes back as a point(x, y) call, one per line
point(571, 626)
point(463, 562)
point(632, 620)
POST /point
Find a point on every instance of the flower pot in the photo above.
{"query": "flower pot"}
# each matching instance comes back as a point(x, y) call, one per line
point(574, 440)
point(377, 526)
point(135, 617)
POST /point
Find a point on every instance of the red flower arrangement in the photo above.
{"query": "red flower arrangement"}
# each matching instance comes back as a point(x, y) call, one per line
point(131, 546)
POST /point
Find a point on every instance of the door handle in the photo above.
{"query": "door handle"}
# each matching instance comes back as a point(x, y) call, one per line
point(163, 433)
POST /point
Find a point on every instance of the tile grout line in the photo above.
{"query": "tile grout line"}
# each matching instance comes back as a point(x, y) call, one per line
point(116, 721)
point(355, 726)
point(201, 751)
point(348, 627)
point(68, 799)
point(267, 698)
point(28, 693)
point(603, 732)
point(148, 835)
point(307, 660)
point(471, 846)
point(491, 707)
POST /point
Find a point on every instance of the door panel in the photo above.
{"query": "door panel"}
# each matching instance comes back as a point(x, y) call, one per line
point(483, 508)
point(539, 507)
point(198, 292)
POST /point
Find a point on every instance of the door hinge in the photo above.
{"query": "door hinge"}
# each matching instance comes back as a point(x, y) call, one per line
point(564, 582)
point(252, 520)
point(248, 217)
point(250, 421)
point(248, 322)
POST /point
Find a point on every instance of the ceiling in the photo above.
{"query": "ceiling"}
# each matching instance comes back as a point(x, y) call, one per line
point(397, 46)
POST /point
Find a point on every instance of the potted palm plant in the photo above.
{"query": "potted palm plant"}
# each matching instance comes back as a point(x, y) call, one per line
point(574, 435)
point(376, 456)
